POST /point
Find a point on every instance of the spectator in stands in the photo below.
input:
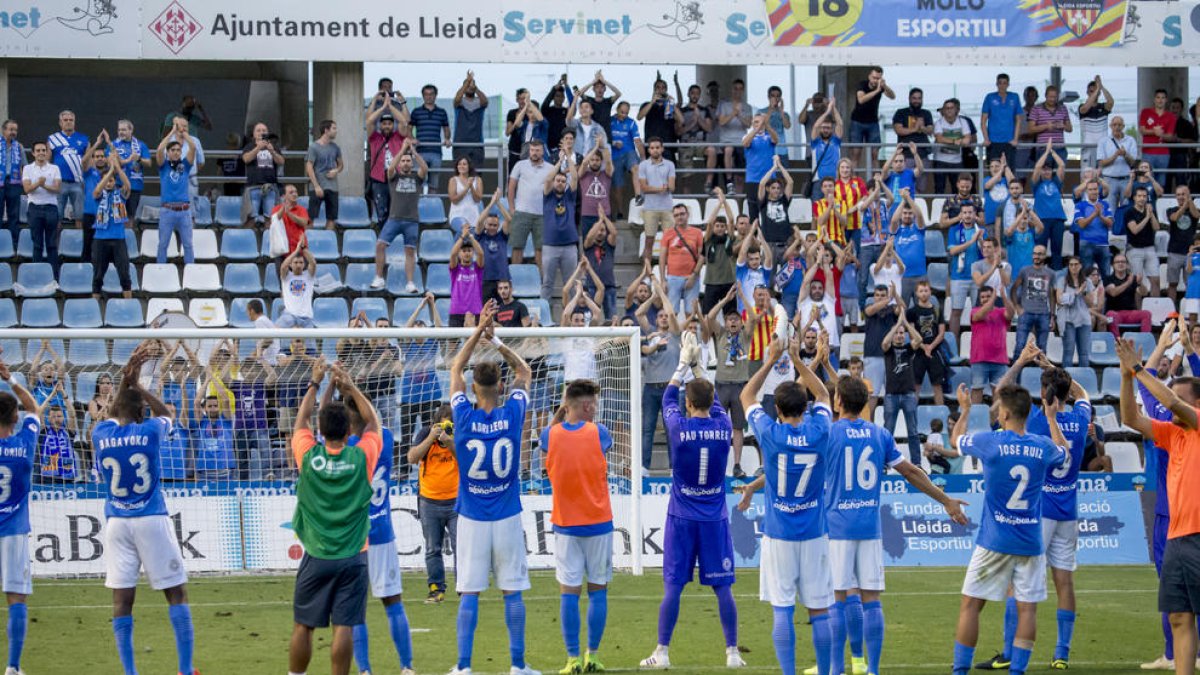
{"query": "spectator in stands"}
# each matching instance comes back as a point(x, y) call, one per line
point(69, 148)
point(181, 133)
point(510, 312)
point(1191, 301)
point(1157, 127)
point(773, 201)
point(387, 102)
point(695, 127)
point(1142, 177)
point(660, 354)
point(268, 348)
point(466, 280)
point(465, 191)
point(1182, 157)
point(991, 270)
point(1074, 319)
point(299, 281)
point(951, 208)
point(952, 133)
point(731, 337)
point(1050, 121)
point(432, 131)
point(913, 126)
point(1125, 290)
point(111, 223)
point(56, 447)
point(680, 261)
point(964, 249)
point(554, 109)
point(849, 190)
point(1141, 227)
point(601, 105)
point(989, 329)
point(1027, 137)
point(134, 157)
point(524, 125)
point(754, 264)
point(880, 318)
point(825, 147)
point(1097, 300)
point(1093, 221)
point(828, 214)
point(656, 176)
point(900, 347)
point(595, 186)
point(432, 451)
point(600, 252)
point(48, 387)
point(526, 198)
point(95, 165)
point(759, 145)
point(995, 188)
point(627, 151)
point(1093, 122)
point(322, 164)
point(470, 107)
point(818, 309)
point(899, 174)
point(214, 440)
point(638, 292)
point(734, 116)
point(1182, 220)
point(814, 107)
point(251, 438)
point(876, 219)
point(580, 310)
point(926, 317)
point(789, 274)
point(1033, 301)
point(908, 229)
point(384, 145)
point(1001, 121)
point(719, 254)
point(864, 118)
point(765, 317)
point(104, 397)
point(1117, 155)
point(191, 110)
point(295, 219)
point(12, 159)
point(1094, 458)
point(560, 252)
point(661, 114)
point(1046, 184)
point(934, 448)
point(1019, 227)
point(888, 271)
point(405, 183)
point(379, 371)
point(263, 160)
point(494, 239)
point(778, 120)
point(175, 214)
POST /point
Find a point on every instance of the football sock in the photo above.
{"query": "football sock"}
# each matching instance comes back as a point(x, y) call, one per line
point(398, 625)
point(18, 619)
point(727, 608)
point(964, 656)
point(854, 624)
point(1020, 661)
point(597, 617)
point(1066, 629)
point(1010, 627)
point(873, 633)
point(514, 618)
point(185, 638)
point(362, 648)
point(468, 616)
point(123, 632)
point(568, 614)
point(837, 626)
point(822, 638)
point(1168, 638)
point(668, 612)
point(784, 635)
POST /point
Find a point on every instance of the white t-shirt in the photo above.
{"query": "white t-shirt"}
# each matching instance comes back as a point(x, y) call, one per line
point(828, 320)
point(33, 172)
point(951, 154)
point(888, 276)
point(579, 359)
point(468, 207)
point(530, 181)
point(272, 353)
point(298, 294)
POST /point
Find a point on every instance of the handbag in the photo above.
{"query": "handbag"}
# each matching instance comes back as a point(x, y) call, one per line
point(279, 238)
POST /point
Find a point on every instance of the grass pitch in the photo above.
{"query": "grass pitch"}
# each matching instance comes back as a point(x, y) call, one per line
point(243, 625)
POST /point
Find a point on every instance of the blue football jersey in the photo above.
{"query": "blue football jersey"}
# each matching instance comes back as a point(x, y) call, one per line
point(1060, 497)
point(488, 447)
point(16, 472)
point(128, 458)
point(1014, 471)
point(859, 453)
point(381, 492)
point(699, 448)
point(794, 461)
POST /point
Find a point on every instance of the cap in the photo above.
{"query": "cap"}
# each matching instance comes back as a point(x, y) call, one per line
point(387, 116)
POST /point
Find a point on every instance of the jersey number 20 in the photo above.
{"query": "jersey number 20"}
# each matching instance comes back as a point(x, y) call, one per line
point(502, 458)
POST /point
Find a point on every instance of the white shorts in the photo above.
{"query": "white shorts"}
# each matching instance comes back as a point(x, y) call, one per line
point(875, 371)
point(990, 574)
point(14, 564)
point(960, 290)
point(383, 566)
point(1062, 539)
point(577, 557)
point(1143, 262)
point(491, 546)
point(147, 541)
point(790, 567)
point(856, 563)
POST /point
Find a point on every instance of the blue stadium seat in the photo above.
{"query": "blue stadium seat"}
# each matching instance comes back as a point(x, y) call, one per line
point(1086, 377)
point(442, 305)
point(112, 283)
point(935, 244)
point(239, 244)
point(951, 342)
point(437, 280)
point(1110, 386)
point(276, 308)
point(122, 349)
point(374, 308)
point(352, 212)
point(11, 353)
point(6, 247)
point(87, 353)
point(527, 252)
point(8, 313)
point(323, 245)
point(959, 375)
point(435, 245)
point(526, 280)
point(939, 276)
point(158, 305)
point(396, 280)
point(35, 280)
point(404, 307)
point(926, 413)
point(359, 277)
point(238, 316)
point(75, 278)
point(32, 347)
point(243, 279)
point(329, 270)
point(25, 244)
point(1144, 341)
point(131, 244)
point(1103, 350)
point(1031, 379)
point(40, 313)
point(202, 214)
point(70, 243)
point(82, 313)
point(123, 313)
point(6, 278)
point(271, 279)
point(148, 209)
point(85, 384)
point(431, 211)
point(541, 308)
point(979, 419)
point(358, 244)
point(229, 211)
point(330, 313)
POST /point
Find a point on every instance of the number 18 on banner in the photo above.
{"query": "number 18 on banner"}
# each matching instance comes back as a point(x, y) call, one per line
point(826, 17)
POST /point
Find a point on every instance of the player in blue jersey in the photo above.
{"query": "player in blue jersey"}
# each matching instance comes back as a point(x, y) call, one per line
point(383, 562)
point(794, 557)
point(487, 441)
point(1008, 549)
point(18, 443)
point(697, 527)
point(1060, 529)
point(138, 533)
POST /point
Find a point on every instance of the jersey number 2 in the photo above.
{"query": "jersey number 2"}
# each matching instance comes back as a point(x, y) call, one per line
point(502, 458)
point(1017, 501)
point(141, 471)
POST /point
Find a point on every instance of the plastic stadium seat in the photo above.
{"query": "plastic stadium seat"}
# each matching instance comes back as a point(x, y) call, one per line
point(1054, 349)
point(901, 430)
point(243, 279)
point(1145, 341)
point(239, 244)
point(329, 278)
point(541, 309)
point(202, 215)
point(935, 244)
point(396, 280)
point(979, 419)
point(323, 245)
point(131, 244)
point(1031, 379)
point(204, 244)
point(1159, 308)
point(8, 313)
point(352, 212)
point(852, 345)
point(11, 353)
point(926, 413)
point(112, 283)
point(149, 247)
point(1110, 383)
point(431, 211)
point(358, 244)
point(148, 209)
point(1086, 377)
point(157, 306)
point(34, 280)
point(229, 211)
point(936, 207)
point(163, 279)
point(695, 214)
point(435, 246)
point(40, 313)
point(374, 308)
point(330, 313)
point(403, 308)
point(800, 210)
point(202, 277)
point(208, 312)
point(238, 316)
point(70, 243)
point(713, 205)
point(527, 252)
point(123, 313)
point(271, 279)
point(122, 349)
point(82, 313)
point(24, 244)
point(359, 277)
point(7, 251)
point(1125, 457)
point(1103, 349)
point(1160, 208)
point(74, 278)
point(939, 275)
point(87, 353)
point(437, 280)
point(526, 281)
point(956, 357)
point(442, 306)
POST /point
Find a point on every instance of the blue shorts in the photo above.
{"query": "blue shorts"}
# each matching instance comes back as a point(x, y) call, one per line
point(861, 132)
point(984, 374)
point(409, 229)
point(686, 542)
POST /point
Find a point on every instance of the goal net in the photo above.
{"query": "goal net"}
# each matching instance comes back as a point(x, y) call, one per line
point(227, 470)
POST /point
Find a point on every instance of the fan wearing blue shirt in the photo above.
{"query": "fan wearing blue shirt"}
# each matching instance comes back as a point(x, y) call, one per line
point(1009, 551)
point(68, 148)
point(175, 216)
point(963, 245)
point(108, 230)
point(1093, 221)
point(908, 230)
point(18, 443)
point(134, 157)
point(1000, 121)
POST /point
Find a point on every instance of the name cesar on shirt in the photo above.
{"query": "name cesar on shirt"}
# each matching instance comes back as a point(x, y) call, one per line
point(858, 433)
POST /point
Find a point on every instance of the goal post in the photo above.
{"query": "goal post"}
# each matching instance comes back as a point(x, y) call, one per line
point(226, 472)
